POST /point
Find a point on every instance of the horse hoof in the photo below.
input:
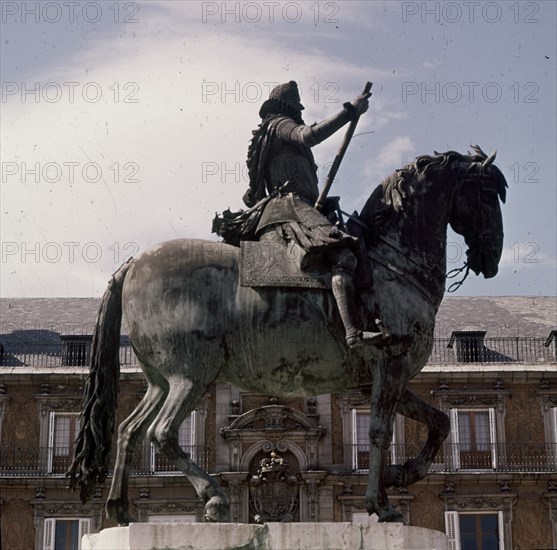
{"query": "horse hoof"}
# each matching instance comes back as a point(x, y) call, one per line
point(391, 515)
point(217, 510)
point(118, 511)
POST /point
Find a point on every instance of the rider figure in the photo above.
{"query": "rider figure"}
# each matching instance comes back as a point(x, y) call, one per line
point(280, 159)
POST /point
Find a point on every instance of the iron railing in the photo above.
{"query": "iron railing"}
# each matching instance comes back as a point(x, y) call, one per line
point(35, 355)
point(489, 350)
point(497, 457)
point(55, 461)
point(489, 457)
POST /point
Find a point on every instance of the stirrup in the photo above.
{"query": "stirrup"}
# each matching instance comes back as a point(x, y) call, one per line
point(362, 338)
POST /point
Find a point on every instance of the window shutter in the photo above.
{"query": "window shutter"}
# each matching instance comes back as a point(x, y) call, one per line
point(152, 458)
point(48, 536)
point(50, 450)
point(501, 526)
point(193, 436)
point(455, 440)
point(493, 438)
point(84, 528)
point(354, 440)
point(452, 529)
point(552, 441)
point(394, 440)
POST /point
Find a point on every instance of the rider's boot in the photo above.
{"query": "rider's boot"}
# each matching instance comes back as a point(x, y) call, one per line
point(345, 296)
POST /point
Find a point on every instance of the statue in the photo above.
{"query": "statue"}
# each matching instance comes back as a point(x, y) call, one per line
point(192, 323)
point(283, 184)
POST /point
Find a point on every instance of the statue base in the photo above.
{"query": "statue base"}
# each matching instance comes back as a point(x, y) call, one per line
point(286, 536)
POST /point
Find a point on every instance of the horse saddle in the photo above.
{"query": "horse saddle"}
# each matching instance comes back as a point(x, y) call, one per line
point(265, 263)
point(282, 264)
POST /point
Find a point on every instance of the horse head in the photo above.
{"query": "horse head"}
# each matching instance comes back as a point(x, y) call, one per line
point(475, 211)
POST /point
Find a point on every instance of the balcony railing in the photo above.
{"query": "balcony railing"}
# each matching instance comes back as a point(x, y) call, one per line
point(490, 457)
point(49, 461)
point(492, 350)
point(35, 355)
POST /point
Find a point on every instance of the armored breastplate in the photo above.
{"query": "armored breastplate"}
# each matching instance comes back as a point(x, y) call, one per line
point(290, 162)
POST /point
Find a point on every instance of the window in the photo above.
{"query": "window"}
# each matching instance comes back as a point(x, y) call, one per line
point(475, 531)
point(473, 439)
point(63, 429)
point(76, 350)
point(360, 440)
point(186, 439)
point(469, 345)
point(65, 533)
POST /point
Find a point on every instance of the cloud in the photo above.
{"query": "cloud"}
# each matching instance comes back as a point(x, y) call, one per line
point(147, 139)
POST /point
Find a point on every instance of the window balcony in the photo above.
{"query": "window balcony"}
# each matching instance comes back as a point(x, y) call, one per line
point(489, 458)
point(55, 461)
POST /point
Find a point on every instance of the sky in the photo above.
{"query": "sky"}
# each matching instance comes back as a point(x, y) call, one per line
point(125, 124)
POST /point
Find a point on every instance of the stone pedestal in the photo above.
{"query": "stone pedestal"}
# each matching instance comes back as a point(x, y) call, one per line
point(271, 536)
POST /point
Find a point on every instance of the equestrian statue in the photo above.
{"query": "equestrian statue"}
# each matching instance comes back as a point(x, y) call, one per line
point(334, 306)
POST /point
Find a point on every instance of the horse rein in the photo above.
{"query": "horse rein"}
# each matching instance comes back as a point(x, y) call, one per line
point(405, 275)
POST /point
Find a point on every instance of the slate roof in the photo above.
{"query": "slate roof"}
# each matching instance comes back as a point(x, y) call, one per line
point(31, 328)
point(45, 319)
point(499, 316)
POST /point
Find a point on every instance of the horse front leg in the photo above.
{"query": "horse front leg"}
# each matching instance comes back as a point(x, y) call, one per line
point(438, 425)
point(389, 382)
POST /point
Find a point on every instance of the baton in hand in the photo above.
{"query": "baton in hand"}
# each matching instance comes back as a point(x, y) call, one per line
point(336, 163)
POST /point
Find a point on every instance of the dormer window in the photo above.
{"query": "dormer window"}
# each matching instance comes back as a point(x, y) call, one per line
point(76, 350)
point(469, 345)
point(551, 344)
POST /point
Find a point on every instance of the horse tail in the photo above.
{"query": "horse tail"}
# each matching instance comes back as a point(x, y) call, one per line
point(92, 447)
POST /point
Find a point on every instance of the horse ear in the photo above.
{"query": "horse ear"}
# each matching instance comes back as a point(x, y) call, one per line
point(478, 150)
point(489, 161)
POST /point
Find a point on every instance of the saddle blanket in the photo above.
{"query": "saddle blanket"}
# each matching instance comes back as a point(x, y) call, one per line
point(269, 264)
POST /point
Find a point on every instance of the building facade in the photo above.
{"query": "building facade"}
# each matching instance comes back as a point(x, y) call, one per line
point(493, 370)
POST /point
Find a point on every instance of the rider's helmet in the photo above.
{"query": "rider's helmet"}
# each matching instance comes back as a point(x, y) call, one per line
point(283, 99)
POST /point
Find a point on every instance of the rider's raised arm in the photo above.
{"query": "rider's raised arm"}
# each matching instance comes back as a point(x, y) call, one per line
point(289, 130)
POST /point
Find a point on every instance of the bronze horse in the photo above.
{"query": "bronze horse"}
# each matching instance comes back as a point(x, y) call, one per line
point(192, 324)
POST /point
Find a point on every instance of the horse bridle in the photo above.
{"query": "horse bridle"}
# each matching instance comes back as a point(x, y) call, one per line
point(483, 183)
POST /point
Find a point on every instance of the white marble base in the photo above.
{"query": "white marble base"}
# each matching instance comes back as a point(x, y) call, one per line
point(271, 536)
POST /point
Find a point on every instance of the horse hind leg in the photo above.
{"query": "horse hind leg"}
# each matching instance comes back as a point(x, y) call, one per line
point(130, 432)
point(438, 425)
point(183, 396)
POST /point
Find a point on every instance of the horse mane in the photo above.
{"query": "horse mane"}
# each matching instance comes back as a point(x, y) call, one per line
point(382, 206)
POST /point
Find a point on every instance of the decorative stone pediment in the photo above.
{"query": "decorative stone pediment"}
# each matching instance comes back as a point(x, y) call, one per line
point(272, 427)
point(468, 397)
point(506, 501)
point(271, 417)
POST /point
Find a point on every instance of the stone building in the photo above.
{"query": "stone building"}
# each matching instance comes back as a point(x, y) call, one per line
point(493, 370)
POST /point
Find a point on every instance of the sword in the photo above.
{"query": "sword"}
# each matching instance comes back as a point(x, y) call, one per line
point(338, 159)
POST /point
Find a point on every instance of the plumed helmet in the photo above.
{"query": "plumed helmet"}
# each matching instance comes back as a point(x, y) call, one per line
point(283, 98)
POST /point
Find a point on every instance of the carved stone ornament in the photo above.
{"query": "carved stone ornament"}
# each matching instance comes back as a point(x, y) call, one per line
point(480, 502)
point(274, 491)
point(472, 398)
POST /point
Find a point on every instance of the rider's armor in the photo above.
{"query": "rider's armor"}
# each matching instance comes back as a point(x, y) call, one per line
point(280, 159)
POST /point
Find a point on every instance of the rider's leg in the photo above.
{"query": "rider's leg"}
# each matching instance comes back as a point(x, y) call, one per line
point(344, 292)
